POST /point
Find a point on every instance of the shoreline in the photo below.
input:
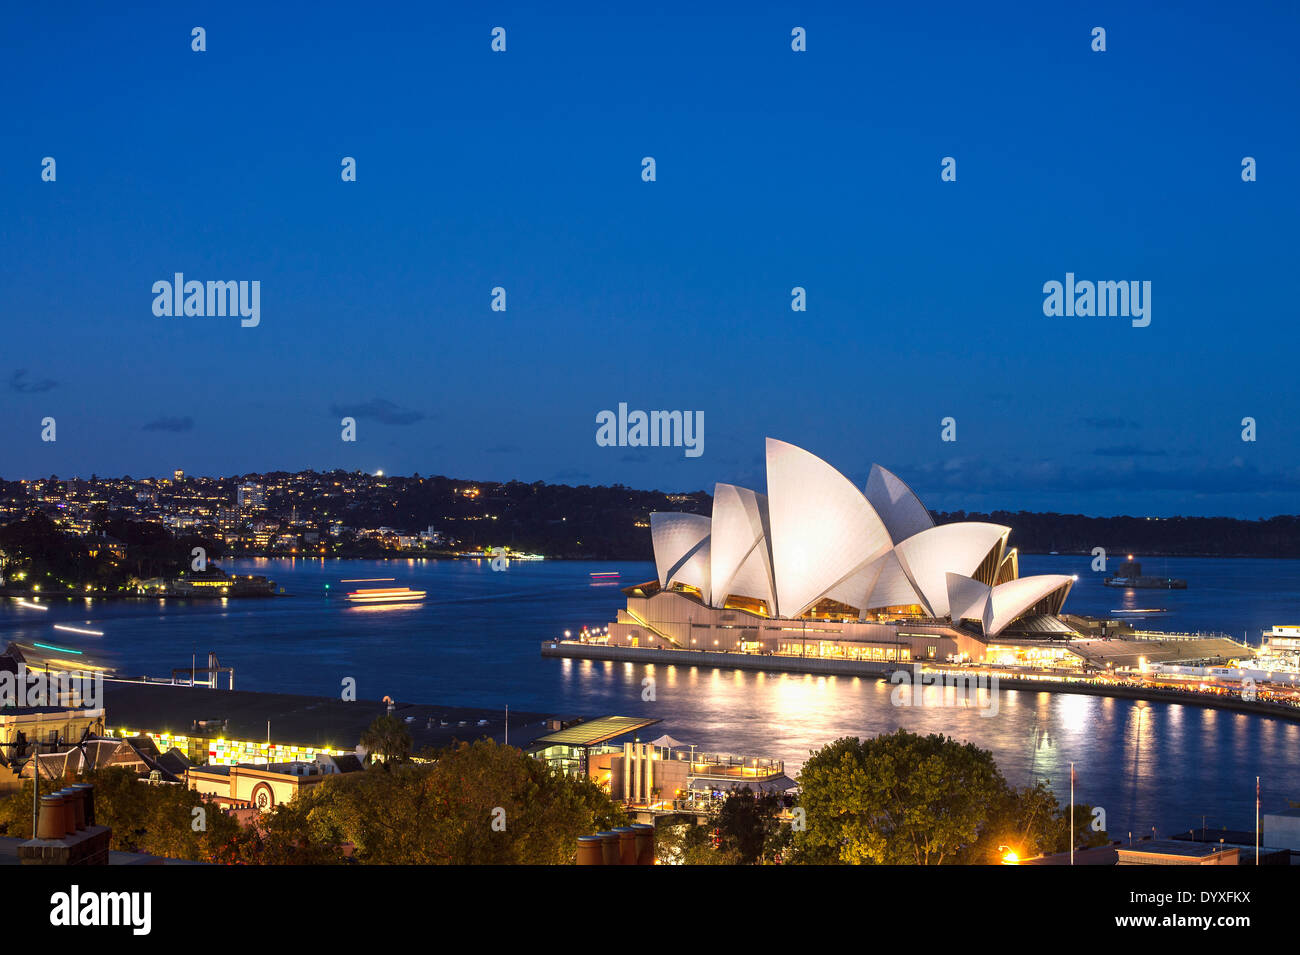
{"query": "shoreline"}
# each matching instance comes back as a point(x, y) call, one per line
point(75, 595)
point(817, 666)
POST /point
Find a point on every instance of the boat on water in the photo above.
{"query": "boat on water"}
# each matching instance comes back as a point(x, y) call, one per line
point(385, 595)
point(1129, 576)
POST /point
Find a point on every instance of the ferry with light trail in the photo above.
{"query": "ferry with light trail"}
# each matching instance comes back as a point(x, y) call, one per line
point(385, 595)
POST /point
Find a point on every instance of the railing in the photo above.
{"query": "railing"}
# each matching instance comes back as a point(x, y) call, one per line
point(649, 626)
point(804, 652)
point(1160, 635)
point(709, 764)
point(724, 764)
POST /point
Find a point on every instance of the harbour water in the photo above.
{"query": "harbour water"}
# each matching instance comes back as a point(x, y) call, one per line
point(474, 642)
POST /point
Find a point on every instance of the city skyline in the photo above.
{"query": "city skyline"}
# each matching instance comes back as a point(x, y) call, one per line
point(684, 493)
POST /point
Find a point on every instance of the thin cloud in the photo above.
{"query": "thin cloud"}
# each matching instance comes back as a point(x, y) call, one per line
point(1129, 451)
point(174, 425)
point(378, 409)
point(1110, 424)
point(19, 382)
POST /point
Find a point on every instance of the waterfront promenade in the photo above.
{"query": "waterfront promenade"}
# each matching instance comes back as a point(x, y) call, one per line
point(881, 670)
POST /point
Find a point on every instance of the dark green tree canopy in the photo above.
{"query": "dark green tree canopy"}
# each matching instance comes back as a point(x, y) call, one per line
point(906, 799)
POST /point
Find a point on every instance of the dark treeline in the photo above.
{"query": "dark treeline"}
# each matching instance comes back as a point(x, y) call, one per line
point(1144, 537)
point(608, 522)
point(557, 520)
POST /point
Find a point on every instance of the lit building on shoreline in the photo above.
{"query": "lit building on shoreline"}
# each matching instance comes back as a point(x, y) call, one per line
point(817, 567)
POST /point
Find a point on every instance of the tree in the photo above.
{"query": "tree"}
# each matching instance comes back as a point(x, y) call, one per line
point(475, 804)
point(897, 799)
point(387, 737)
point(746, 830)
point(748, 826)
point(284, 837)
point(1032, 822)
point(16, 812)
point(688, 843)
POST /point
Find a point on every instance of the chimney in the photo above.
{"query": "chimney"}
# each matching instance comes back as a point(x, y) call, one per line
point(627, 845)
point(66, 833)
point(609, 847)
point(589, 851)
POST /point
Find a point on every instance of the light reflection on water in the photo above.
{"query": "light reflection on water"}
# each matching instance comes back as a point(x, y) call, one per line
point(1148, 765)
point(475, 641)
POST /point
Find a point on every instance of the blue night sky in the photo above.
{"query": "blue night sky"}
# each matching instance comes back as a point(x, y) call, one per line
point(775, 169)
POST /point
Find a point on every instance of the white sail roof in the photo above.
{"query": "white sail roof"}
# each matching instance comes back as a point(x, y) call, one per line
point(1013, 598)
point(739, 551)
point(855, 589)
point(823, 528)
point(897, 505)
point(996, 607)
point(893, 587)
point(968, 599)
point(694, 571)
point(959, 548)
point(680, 539)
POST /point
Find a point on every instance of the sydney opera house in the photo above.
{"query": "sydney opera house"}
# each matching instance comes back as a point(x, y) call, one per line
point(818, 567)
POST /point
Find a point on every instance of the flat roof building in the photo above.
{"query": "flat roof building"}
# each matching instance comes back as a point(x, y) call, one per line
point(1175, 852)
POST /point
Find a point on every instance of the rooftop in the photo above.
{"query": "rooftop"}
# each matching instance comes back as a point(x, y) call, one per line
point(319, 722)
point(9, 856)
point(1171, 847)
point(594, 732)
